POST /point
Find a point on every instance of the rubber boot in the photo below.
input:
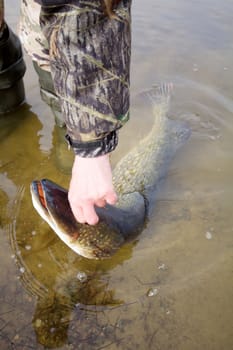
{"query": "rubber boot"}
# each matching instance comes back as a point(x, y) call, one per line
point(12, 70)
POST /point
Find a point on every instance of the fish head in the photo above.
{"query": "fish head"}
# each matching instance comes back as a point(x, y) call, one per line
point(93, 242)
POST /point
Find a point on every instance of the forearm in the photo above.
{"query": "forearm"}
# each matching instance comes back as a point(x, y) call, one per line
point(90, 68)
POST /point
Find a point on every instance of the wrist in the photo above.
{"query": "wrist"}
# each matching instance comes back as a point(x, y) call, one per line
point(87, 159)
point(94, 148)
point(92, 166)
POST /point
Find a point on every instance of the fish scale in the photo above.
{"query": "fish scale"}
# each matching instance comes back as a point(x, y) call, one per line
point(146, 164)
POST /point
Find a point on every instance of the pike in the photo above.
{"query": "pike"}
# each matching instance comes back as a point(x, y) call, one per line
point(136, 178)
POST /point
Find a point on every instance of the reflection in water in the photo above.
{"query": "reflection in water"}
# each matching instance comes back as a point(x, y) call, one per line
point(12, 121)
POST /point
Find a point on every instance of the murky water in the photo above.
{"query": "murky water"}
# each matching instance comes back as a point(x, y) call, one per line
point(173, 288)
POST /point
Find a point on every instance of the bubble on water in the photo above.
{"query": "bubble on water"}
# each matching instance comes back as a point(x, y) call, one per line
point(82, 276)
point(152, 292)
point(22, 269)
point(208, 235)
point(195, 67)
point(162, 267)
point(16, 337)
point(39, 265)
point(27, 247)
point(33, 233)
point(214, 137)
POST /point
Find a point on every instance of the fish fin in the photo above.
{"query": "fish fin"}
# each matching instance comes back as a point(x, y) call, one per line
point(160, 93)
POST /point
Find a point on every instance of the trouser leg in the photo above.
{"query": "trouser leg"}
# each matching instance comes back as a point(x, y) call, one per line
point(48, 94)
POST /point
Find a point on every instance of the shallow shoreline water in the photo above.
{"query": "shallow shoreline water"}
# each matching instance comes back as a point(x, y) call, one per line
point(172, 288)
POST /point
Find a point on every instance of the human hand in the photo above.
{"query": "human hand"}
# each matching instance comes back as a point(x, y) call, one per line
point(91, 184)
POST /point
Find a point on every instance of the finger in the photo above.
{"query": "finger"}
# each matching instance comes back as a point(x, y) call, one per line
point(111, 198)
point(100, 203)
point(89, 213)
point(78, 214)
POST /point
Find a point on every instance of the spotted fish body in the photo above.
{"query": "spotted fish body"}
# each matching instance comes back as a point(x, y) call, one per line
point(135, 178)
point(144, 166)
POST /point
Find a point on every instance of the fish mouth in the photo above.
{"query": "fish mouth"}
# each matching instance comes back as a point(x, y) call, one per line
point(38, 193)
point(44, 193)
point(39, 201)
point(94, 242)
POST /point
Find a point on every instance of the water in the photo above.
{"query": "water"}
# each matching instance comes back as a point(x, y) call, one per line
point(172, 289)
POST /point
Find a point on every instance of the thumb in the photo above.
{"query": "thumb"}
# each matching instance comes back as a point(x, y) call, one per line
point(111, 198)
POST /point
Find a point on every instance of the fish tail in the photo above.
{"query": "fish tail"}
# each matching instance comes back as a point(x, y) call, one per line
point(159, 96)
point(160, 93)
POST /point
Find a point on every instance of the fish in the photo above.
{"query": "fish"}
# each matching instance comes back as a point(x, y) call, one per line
point(136, 178)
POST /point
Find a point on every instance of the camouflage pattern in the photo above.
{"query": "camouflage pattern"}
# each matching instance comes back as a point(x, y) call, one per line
point(89, 58)
point(30, 33)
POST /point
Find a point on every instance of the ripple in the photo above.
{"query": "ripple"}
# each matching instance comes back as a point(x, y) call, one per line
point(204, 104)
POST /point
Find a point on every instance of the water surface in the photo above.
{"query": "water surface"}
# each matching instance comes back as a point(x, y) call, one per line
point(173, 287)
